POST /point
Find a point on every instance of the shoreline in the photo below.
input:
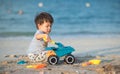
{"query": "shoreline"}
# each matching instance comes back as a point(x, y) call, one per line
point(65, 36)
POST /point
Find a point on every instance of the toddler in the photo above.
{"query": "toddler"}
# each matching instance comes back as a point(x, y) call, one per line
point(36, 51)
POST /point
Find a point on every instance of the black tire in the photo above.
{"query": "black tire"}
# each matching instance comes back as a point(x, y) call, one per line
point(69, 59)
point(53, 60)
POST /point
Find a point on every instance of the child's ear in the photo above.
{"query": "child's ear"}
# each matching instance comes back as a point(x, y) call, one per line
point(39, 25)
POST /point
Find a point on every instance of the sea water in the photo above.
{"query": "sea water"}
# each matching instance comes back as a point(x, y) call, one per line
point(71, 17)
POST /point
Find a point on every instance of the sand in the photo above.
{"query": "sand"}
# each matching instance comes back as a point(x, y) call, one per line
point(106, 49)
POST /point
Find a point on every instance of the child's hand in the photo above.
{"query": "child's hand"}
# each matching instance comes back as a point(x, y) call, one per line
point(46, 38)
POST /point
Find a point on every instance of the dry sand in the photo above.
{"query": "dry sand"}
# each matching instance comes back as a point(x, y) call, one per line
point(106, 48)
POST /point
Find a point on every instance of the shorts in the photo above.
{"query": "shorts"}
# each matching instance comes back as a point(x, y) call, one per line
point(37, 57)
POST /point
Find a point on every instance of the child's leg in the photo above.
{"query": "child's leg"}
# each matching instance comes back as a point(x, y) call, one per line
point(32, 56)
point(41, 56)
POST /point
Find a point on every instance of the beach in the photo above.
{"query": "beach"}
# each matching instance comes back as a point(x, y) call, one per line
point(105, 48)
point(91, 27)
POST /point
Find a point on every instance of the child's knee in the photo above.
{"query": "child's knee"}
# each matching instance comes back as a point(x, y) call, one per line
point(41, 57)
point(32, 56)
point(37, 57)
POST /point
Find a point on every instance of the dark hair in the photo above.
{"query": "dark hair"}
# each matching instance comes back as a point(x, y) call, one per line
point(43, 16)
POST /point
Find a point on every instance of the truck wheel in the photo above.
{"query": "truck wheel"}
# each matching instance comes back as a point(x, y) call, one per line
point(53, 59)
point(69, 59)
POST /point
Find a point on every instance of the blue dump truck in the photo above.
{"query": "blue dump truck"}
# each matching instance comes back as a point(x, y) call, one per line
point(55, 53)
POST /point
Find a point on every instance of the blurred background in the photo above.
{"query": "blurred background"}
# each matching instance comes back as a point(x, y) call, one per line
point(71, 17)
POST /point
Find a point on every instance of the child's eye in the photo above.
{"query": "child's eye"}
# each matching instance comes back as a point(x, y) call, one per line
point(48, 26)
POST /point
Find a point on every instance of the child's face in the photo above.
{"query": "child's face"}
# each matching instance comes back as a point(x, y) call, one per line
point(45, 27)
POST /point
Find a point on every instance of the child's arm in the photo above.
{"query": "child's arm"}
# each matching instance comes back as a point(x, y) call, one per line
point(43, 36)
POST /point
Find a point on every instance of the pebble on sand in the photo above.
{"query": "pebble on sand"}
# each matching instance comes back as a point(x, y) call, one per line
point(11, 56)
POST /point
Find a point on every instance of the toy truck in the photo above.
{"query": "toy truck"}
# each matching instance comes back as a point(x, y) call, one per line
point(55, 53)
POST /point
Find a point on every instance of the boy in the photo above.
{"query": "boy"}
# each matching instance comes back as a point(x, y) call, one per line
point(37, 47)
